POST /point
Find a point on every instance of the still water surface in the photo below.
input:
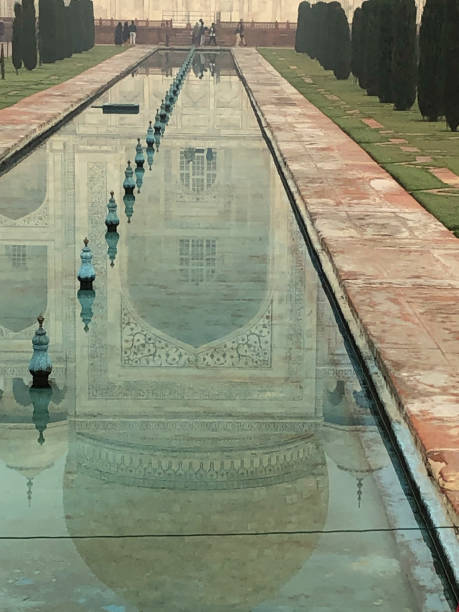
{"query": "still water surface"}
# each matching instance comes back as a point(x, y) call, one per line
point(209, 446)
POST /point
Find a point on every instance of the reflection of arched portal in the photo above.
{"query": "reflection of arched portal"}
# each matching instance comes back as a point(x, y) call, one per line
point(24, 270)
point(198, 254)
point(24, 187)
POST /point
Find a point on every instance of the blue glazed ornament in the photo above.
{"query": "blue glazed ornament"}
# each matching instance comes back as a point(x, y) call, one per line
point(139, 156)
point(86, 273)
point(149, 137)
point(112, 220)
point(40, 365)
point(158, 125)
point(129, 183)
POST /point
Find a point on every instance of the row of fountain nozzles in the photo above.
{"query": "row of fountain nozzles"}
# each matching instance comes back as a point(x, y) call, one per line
point(156, 131)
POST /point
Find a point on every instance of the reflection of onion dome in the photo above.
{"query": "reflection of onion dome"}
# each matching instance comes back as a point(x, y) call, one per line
point(20, 451)
point(208, 487)
point(20, 448)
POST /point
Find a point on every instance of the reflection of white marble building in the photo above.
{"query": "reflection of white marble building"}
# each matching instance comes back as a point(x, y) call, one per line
point(197, 398)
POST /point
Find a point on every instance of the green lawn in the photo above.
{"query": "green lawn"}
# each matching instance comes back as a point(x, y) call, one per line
point(432, 140)
point(27, 82)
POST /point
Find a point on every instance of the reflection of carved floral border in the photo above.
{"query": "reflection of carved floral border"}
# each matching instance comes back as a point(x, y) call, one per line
point(209, 470)
point(142, 347)
point(38, 218)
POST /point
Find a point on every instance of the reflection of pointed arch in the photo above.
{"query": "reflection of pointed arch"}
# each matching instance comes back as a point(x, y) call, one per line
point(246, 347)
point(23, 267)
point(25, 187)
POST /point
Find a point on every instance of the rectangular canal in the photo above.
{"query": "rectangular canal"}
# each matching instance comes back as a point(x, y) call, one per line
point(207, 444)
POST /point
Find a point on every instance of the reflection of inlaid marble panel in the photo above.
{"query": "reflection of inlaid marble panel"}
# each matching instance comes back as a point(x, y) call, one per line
point(141, 346)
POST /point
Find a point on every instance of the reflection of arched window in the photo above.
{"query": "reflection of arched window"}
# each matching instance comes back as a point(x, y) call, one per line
point(198, 168)
point(197, 260)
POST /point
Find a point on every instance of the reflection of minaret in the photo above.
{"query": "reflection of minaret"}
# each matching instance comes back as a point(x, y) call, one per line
point(20, 449)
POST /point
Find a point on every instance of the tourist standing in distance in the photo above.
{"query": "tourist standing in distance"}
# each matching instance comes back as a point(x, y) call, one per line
point(195, 35)
point(240, 34)
point(125, 32)
point(132, 33)
point(213, 35)
point(119, 34)
point(202, 33)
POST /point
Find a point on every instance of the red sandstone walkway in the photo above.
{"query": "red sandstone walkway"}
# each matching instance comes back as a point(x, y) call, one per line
point(32, 116)
point(396, 265)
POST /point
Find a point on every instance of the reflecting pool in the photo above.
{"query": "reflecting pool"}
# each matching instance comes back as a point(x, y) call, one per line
point(207, 445)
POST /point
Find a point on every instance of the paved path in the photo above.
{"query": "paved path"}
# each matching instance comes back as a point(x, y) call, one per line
point(396, 265)
point(35, 115)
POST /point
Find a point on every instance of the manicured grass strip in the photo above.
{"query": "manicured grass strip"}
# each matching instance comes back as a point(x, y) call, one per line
point(440, 205)
point(413, 179)
point(432, 140)
point(27, 82)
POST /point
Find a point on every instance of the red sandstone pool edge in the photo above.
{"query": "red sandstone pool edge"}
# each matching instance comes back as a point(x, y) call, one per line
point(36, 116)
point(403, 405)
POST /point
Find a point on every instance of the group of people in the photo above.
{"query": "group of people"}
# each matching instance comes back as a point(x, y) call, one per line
point(128, 34)
point(200, 31)
point(198, 35)
point(125, 34)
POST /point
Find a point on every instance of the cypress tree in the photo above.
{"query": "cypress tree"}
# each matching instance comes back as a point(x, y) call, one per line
point(328, 34)
point(300, 37)
point(17, 37)
point(47, 31)
point(452, 65)
point(77, 26)
point(322, 36)
point(91, 26)
point(431, 68)
point(308, 17)
point(314, 30)
point(364, 16)
point(2, 62)
point(29, 34)
point(68, 32)
point(371, 51)
point(404, 68)
point(84, 7)
point(61, 30)
point(356, 53)
point(341, 44)
point(386, 41)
